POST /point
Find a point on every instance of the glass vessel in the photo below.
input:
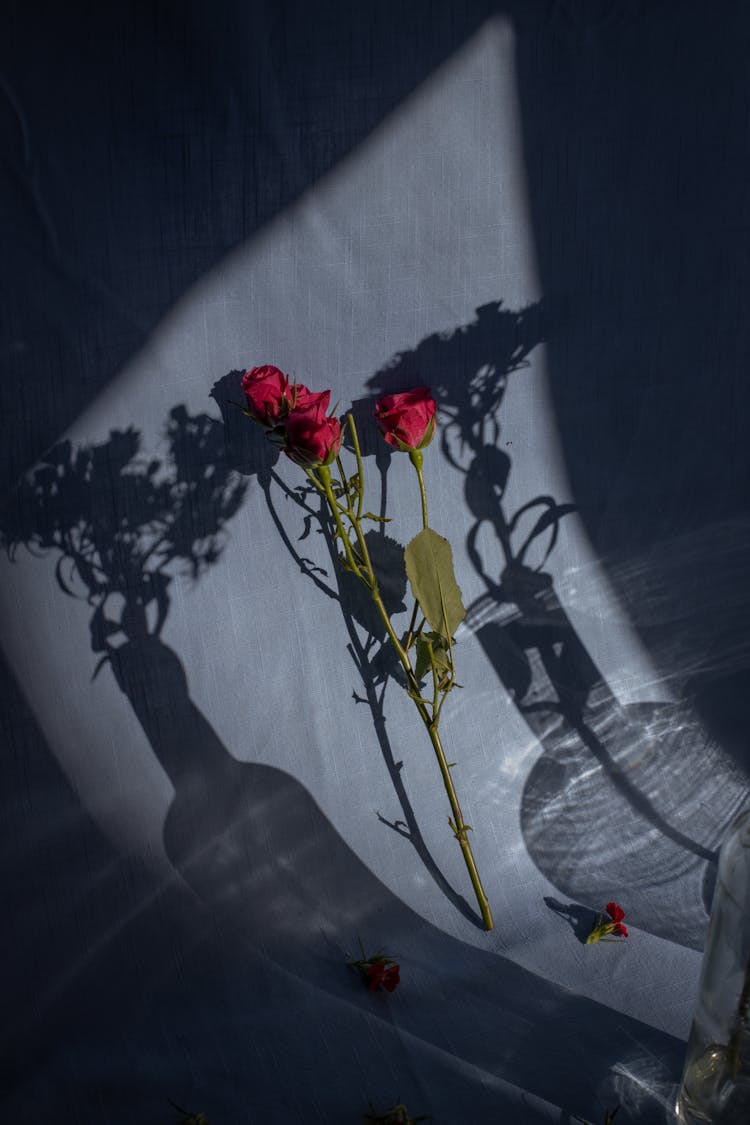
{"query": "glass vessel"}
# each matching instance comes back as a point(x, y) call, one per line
point(715, 1084)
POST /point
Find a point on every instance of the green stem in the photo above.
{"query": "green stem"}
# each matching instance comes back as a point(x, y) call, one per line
point(435, 688)
point(314, 480)
point(442, 701)
point(451, 680)
point(342, 475)
point(412, 623)
point(416, 458)
point(324, 476)
point(360, 470)
point(460, 828)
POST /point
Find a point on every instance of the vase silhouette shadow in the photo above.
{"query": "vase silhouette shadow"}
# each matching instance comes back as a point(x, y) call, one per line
point(606, 808)
point(623, 797)
point(234, 831)
point(256, 849)
point(626, 798)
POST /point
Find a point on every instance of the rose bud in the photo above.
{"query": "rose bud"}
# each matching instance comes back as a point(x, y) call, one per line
point(271, 396)
point(611, 928)
point(268, 396)
point(407, 420)
point(310, 438)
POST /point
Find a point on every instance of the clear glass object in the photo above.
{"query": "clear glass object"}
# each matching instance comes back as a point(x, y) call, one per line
point(715, 1085)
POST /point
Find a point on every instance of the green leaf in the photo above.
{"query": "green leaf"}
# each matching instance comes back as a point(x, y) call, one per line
point(429, 566)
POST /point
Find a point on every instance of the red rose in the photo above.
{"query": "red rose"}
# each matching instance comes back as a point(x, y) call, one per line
point(310, 438)
point(378, 972)
point(374, 975)
point(381, 974)
point(617, 914)
point(407, 419)
point(268, 395)
point(391, 978)
point(271, 397)
point(306, 400)
point(608, 929)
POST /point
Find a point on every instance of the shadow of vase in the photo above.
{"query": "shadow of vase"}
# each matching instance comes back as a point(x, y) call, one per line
point(623, 800)
point(625, 805)
point(256, 849)
point(238, 833)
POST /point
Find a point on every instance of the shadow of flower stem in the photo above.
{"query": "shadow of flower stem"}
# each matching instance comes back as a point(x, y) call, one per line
point(344, 497)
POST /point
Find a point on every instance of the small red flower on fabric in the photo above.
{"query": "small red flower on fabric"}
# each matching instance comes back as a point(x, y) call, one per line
point(378, 972)
point(609, 928)
point(378, 975)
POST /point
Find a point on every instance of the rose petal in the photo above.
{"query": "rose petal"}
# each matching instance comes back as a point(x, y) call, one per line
point(391, 978)
point(374, 974)
point(308, 400)
point(615, 912)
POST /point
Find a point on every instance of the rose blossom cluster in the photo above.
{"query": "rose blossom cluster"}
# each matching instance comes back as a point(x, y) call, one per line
point(295, 418)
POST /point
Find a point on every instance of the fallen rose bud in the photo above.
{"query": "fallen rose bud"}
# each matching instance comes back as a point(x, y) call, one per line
point(617, 913)
point(378, 972)
point(407, 420)
point(378, 976)
point(391, 978)
point(611, 929)
point(374, 975)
